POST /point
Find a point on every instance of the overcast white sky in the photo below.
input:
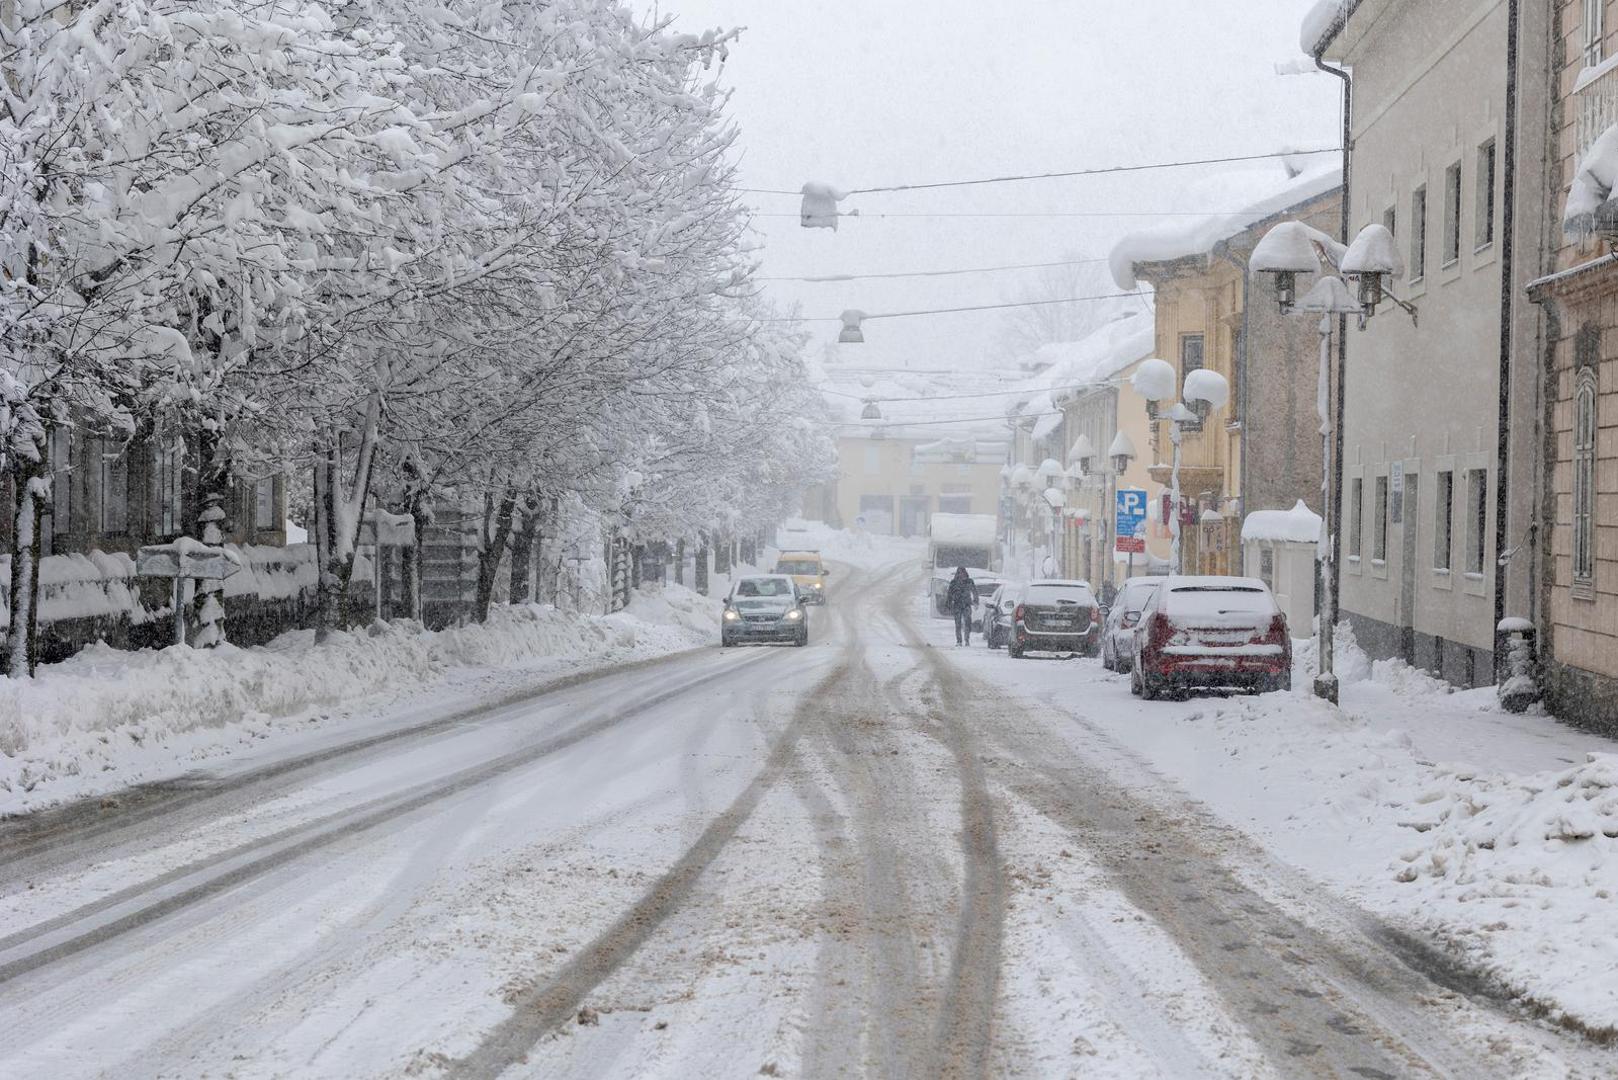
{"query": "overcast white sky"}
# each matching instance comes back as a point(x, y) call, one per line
point(866, 93)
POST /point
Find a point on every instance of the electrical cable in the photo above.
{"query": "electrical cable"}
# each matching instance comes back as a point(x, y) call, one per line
point(1062, 175)
point(832, 278)
point(866, 316)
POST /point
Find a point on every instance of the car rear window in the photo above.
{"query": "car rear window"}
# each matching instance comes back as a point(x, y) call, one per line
point(1220, 600)
point(797, 566)
point(1058, 594)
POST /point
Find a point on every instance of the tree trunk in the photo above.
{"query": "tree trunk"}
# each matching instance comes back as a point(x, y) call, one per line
point(679, 562)
point(699, 573)
point(522, 552)
point(496, 532)
point(30, 486)
point(213, 491)
point(410, 559)
point(337, 519)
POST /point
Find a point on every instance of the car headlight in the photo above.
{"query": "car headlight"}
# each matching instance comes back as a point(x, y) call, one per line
point(819, 585)
point(731, 616)
point(794, 614)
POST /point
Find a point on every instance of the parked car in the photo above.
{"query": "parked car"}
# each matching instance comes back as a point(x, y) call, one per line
point(997, 612)
point(1211, 631)
point(1055, 616)
point(988, 585)
point(808, 572)
point(1118, 631)
point(765, 607)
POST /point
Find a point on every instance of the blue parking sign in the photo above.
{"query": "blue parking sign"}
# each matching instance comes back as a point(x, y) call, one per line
point(1130, 529)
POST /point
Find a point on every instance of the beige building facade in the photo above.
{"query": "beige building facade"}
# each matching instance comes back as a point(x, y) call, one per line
point(1439, 424)
point(1578, 587)
point(891, 481)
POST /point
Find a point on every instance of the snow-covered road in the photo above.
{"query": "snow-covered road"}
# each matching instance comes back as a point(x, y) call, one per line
point(874, 856)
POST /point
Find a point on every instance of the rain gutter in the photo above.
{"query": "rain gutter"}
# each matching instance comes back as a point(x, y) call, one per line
point(1342, 320)
point(1508, 181)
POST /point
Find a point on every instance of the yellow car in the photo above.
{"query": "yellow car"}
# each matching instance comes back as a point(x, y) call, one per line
point(808, 573)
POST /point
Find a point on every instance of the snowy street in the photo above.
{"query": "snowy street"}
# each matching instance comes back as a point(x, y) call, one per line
point(880, 855)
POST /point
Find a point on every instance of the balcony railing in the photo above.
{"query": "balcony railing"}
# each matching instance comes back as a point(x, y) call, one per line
point(1595, 103)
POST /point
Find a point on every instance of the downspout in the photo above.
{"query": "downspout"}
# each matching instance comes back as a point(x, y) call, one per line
point(1507, 296)
point(1342, 346)
point(1223, 252)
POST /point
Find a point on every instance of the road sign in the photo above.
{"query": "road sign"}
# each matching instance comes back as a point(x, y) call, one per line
point(1130, 527)
point(186, 558)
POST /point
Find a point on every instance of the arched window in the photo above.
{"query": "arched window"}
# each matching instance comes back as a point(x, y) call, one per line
point(1584, 482)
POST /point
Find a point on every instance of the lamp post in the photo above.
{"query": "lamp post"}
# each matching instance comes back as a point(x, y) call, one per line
point(1204, 391)
point(1285, 251)
point(1121, 453)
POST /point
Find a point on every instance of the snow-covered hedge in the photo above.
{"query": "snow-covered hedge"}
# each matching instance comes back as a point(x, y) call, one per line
point(108, 717)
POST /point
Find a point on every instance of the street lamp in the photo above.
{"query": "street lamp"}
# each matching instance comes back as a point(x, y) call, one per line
point(871, 411)
point(1205, 390)
point(1082, 452)
point(851, 334)
point(1372, 257)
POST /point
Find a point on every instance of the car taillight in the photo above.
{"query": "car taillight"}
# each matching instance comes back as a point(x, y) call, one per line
point(1018, 613)
point(1158, 630)
point(1278, 630)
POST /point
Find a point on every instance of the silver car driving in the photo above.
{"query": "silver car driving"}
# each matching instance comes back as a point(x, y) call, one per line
point(764, 608)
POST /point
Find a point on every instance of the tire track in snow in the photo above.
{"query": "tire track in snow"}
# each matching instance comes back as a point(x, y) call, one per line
point(141, 904)
point(46, 839)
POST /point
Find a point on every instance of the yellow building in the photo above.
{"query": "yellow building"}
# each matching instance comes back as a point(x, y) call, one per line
point(1262, 450)
point(890, 481)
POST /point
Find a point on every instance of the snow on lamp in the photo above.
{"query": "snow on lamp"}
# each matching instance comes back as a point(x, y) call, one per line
point(1285, 252)
point(1122, 452)
point(1372, 256)
point(819, 208)
point(1081, 453)
point(1329, 296)
point(1205, 391)
point(851, 334)
point(870, 411)
point(1154, 381)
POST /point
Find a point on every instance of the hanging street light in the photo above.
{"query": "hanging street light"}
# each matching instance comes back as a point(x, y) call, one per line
point(1285, 252)
point(1371, 257)
point(851, 334)
point(871, 411)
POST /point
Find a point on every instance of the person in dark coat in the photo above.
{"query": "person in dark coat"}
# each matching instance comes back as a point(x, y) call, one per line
point(962, 598)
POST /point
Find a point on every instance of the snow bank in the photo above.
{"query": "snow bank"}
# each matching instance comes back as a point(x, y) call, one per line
point(106, 718)
point(1299, 525)
point(866, 551)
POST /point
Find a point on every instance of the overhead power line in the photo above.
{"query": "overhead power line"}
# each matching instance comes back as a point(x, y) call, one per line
point(1063, 175)
point(1031, 214)
point(884, 399)
point(832, 278)
point(866, 316)
point(950, 420)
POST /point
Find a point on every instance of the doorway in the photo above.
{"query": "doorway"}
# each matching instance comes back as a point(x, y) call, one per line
point(1410, 515)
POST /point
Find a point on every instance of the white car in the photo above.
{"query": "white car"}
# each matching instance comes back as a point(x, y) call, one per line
point(1118, 635)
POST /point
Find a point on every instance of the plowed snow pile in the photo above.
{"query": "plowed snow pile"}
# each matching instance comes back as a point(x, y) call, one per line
point(1527, 854)
point(107, 718)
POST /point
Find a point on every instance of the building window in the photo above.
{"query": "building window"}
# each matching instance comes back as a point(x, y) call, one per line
point(1379, 524)
point(1190, 353)
point(59, 458)
point(1485, 208)
point(1356, 516)
point(1477, 518)
point(873, 461)
point(1266, 566)
point(1390, 220)
point(264, 503)
point(1452, 213)
point(1418, 234)
point(168, 461)
point(1594, 25)
point(1444, 529)
point(1584, 483)
point(113, 490)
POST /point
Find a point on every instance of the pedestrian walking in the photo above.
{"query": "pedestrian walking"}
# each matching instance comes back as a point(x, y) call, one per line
point(962, 599)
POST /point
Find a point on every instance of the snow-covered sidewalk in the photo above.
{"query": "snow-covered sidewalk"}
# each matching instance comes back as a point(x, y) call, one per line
point(106, 718)
point(1494, 832)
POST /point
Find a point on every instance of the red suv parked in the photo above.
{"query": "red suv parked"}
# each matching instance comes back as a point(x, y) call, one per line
point(1211, 631)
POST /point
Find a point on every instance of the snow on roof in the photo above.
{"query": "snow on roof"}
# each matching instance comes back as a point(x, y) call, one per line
point(1090, 361)
point(1321, 24)
point(1277, 188)
point(1299, 525)
point(1589, 200)
point(963, 529)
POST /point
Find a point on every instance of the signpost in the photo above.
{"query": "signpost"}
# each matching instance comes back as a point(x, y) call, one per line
point(1129, 525)
point(185, 558)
